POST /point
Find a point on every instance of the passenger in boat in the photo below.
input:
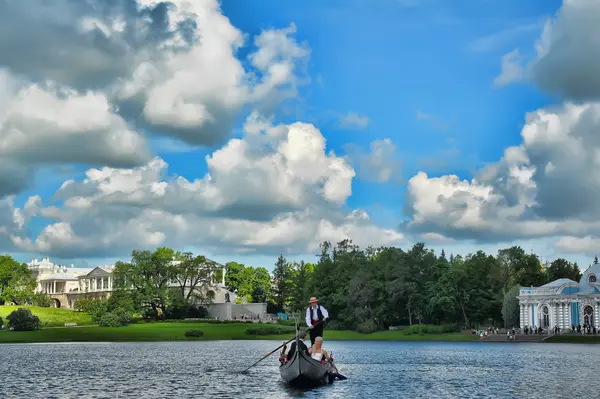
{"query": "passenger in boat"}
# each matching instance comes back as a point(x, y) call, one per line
point(301, 345)
point(317, 352)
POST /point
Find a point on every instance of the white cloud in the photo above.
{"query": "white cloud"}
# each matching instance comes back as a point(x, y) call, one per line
point(255, 198)
point(352, 120)
point(501, 38)
point(512, 69)
point(545, 187)
point(380, 164)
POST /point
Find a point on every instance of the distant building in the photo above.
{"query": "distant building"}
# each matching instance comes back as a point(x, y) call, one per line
point(563, 303)
point(66, 284)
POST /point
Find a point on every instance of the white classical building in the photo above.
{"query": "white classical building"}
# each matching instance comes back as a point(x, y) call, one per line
point(66, 284)
point(564, 303)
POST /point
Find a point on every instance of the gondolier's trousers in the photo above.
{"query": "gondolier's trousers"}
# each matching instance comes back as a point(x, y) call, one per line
point(316, 331)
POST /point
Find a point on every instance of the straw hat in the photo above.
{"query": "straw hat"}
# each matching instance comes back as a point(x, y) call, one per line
point(313, 300)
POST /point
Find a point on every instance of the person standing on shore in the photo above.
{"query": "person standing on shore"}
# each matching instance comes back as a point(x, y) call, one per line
point(316, 316)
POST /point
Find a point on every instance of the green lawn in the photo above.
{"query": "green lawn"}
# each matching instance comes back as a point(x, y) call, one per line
point(55, 317)
point(175, 332)
point(574, 339)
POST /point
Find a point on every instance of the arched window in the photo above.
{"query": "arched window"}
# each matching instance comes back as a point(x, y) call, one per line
point(545, 317)
point(592, 278)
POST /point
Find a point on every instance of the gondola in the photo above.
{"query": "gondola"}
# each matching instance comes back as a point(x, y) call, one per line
point(302, 370)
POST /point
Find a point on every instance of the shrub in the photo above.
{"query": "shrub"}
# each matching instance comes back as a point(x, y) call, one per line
point(367, 327)
point(269, 330)
point(287, 322)
point(1, 323)
point(42, 300)
point(23, 320)
point(422, 329)
point(111, 320)
point(336, 325)
point(194, 334)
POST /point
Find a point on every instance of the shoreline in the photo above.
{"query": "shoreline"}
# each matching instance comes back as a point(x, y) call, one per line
point(175, 331)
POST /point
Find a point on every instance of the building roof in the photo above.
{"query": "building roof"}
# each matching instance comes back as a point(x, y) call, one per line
point(59, 277)
point(558, 283)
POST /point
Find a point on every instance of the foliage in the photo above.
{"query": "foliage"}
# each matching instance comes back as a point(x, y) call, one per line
point(301, 280)
point(147, 276)
point(41, 299)
point(23, 320)
point(390, 286)
point(1, 322)
point(422, 329)
point(269, 330)
point(179, 309)
point(16, 282)
point(282, 284)
point(367, 327)
point(112, 320)
point(194, 276)
point(194, 334)
point(510, 307)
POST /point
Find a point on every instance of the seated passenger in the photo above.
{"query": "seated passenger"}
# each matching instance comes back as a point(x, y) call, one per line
point(317, 352)
point(301, 344)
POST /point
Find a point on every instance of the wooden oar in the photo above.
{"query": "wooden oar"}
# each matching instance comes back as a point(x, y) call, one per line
point(279, 347)
point(339, 376)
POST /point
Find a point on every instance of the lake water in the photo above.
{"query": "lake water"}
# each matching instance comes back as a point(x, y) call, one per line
point(374, 369)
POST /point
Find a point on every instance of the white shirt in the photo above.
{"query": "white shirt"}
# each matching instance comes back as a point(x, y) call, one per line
point(316, 315)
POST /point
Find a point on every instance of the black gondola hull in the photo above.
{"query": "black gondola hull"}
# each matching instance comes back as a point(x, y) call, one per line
point(304, 370)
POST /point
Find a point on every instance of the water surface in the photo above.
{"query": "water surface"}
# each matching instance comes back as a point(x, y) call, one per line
point(386, 369)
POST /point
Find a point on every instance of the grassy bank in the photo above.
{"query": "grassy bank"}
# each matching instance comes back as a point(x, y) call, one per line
point(147, 332)
point(574, 339)
point(55, 317)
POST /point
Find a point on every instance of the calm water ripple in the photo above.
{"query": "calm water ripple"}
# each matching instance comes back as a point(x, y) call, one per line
point(207, 369)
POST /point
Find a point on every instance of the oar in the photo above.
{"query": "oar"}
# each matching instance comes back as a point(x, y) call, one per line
point(339, 376)
point(276, 349)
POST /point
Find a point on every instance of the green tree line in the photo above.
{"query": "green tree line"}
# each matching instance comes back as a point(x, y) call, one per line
point(363, 289)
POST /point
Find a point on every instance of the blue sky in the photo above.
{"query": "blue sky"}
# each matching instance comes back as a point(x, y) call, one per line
point(421, 71)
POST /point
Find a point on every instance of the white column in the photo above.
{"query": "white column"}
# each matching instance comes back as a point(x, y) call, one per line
point(223, 276)
point(568, 314)
point(54, 287)
point(521, 316)
point(596, 314)
point(561, 310)
point(110, 283)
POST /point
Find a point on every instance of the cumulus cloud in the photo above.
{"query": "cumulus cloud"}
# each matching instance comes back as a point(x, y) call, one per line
point(380, 164)
point(79, 81)
point(544, 187)
point(352, 120)
point(282, 194)
point(568, 52)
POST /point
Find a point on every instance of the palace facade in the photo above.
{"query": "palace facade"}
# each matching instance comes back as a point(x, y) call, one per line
point(564, 303)
point(66, 284)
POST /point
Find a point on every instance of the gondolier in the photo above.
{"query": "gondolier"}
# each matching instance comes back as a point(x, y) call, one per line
point(316, 316)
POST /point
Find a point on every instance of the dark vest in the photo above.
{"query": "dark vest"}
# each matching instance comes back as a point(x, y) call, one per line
point(319, 314)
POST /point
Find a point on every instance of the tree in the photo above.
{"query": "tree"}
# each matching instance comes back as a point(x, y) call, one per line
point(148, 276)
point(16, 282)
point(23, 320)
point(301, 277)
point(261, 285)
point(234, 275)
point(510, 307)
point(562, 268)
point(282, 283)
point(194, 276)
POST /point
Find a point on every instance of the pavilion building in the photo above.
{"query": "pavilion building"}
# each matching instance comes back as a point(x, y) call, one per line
point(563, 303)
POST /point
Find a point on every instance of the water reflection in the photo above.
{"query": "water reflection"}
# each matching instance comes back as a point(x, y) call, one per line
point(211, 369)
